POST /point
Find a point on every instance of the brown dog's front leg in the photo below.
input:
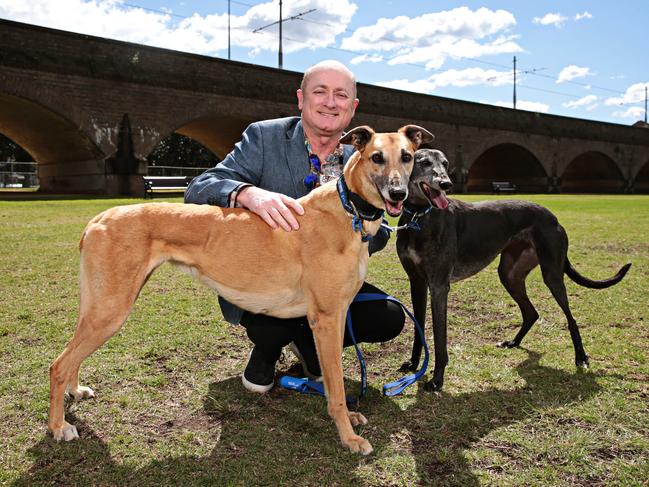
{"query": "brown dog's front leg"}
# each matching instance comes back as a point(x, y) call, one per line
point(329, 345)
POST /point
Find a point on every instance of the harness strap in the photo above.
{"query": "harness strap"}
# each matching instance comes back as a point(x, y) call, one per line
point(413, 224)
point(307, 386)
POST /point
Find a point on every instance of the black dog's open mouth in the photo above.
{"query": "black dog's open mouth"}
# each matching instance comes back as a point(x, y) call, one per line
point(393, 208)
point(437, 198)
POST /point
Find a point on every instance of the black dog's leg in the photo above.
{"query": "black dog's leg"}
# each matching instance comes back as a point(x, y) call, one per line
point(554, 281)
point(439, 297)
point(419, 297)
point(516, 262)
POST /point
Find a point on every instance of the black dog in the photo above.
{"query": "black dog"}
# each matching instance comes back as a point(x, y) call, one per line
point(458, 239)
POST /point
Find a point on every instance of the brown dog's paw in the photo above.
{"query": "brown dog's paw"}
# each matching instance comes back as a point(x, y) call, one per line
point(358, 444)
point(356, 418)
point(67, 432)
point(82, 392)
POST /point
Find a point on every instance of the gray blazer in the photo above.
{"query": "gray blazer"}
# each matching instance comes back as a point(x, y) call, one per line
point(271, 155)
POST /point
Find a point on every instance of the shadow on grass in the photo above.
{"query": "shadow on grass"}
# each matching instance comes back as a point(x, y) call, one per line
point(298, 445)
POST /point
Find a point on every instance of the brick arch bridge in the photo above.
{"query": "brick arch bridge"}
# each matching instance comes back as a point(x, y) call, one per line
point(90, 110)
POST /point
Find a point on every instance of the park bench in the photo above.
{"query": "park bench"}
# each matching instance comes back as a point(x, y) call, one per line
point(500, 187)
point(165, 184)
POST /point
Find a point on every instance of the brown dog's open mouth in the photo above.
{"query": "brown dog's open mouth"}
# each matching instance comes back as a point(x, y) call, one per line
point(437, 198)
point(393, 208)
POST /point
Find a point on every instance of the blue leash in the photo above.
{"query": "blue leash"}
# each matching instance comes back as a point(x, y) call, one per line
point(307, 386)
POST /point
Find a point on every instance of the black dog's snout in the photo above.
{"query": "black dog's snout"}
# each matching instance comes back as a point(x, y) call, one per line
point(445, 185)
point(398, 194)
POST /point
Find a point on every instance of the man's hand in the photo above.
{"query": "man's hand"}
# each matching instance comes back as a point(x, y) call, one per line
point(274, 208)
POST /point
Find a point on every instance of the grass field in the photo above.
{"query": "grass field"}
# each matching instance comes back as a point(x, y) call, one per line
point(171, 410)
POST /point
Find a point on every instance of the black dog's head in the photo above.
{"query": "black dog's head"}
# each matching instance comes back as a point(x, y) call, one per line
point(429, 180)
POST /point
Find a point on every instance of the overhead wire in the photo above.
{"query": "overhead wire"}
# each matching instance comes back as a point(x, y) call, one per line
point(533, 71)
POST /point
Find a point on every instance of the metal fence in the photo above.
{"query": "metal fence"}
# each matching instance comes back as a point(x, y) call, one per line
point(175, 171)
point(18, 175)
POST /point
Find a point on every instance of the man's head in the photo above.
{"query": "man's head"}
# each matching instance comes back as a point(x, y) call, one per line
point(327, 99)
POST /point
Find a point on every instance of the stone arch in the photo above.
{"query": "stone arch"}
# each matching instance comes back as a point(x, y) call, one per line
point(215, 132)
point(592, 172)
point(507, 162)
point(641, 182)
point(49, 137)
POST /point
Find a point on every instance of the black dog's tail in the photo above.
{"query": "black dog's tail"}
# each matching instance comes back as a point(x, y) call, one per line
point(584, 281)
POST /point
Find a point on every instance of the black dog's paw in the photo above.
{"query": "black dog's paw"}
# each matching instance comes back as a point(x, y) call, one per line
point(432, 386)
point(508, 344)
point(408, 367)
point(582, 364)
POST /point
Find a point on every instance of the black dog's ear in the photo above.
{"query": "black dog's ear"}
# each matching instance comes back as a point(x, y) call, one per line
point(358, 137)
point(418, 135)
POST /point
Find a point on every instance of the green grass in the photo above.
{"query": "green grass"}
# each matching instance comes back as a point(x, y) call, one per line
point(170, 408)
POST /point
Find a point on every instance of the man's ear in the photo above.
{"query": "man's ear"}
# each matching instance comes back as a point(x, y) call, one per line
point(417, 135)
point(358, 137)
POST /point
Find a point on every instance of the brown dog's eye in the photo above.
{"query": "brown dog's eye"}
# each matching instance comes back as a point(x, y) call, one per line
point(377, 158)
point(406, 157)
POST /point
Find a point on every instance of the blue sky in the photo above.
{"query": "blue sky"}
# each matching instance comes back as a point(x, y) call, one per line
point(583, 59)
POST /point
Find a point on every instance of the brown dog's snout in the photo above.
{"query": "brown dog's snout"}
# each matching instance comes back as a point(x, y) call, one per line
point(397, 194)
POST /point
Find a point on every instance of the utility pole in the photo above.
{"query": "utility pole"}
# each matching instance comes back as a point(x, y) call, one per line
point(280, 57)
point(514, 82)
point(228, 30)
point(645, 103)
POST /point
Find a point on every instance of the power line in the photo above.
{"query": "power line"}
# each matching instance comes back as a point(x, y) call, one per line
point(533, 72)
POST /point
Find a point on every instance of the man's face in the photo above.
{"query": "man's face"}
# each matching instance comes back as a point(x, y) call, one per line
point(327, 102)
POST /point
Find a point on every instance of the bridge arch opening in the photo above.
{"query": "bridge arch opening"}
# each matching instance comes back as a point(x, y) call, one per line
point(592, 172)
point(180, 155)
point(507, 162)
point(217, 134)
point(49, 137)
point(18, 170)
point(641, 183)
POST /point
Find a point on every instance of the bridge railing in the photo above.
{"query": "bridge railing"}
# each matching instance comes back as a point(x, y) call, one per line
point(175, 171)
point(16, 175)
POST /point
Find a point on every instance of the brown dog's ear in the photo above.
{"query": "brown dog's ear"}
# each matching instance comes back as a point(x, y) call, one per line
point(358, 137)
point(418, 135)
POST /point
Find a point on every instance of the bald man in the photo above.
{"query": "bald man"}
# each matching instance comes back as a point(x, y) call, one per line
point(276, 162)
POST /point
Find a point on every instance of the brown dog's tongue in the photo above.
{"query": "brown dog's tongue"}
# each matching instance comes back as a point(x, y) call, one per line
point(440, 201)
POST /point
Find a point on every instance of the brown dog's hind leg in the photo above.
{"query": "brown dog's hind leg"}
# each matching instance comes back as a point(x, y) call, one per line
point(88, 337)
point(328, 334)
point(108, 291)
point(516, 262)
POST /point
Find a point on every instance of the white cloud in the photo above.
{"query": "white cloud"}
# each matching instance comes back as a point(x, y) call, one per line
point(550, 19)
point(532, 106)
point(587, 101)
point(635, 113)
point(585, 15)
point(633, 94)
point(572, 72)
point(452, 77)
point(432, 38)
point(366, 58)
point(199, 34)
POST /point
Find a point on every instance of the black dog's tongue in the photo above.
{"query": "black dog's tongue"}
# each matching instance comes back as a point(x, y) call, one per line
point(440, 200)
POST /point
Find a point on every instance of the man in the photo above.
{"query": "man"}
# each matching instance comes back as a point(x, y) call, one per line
point(276, 162)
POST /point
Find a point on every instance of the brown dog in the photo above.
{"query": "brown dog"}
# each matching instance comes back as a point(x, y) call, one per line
point(121, 247)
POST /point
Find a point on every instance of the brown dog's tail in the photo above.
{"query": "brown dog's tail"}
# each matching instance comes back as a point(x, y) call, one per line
point(590, 283)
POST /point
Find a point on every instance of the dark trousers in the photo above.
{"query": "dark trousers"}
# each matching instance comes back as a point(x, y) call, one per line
point(373, 321)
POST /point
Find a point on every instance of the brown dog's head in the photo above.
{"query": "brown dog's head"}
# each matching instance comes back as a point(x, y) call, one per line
point(429, 180)
point(380, 170)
